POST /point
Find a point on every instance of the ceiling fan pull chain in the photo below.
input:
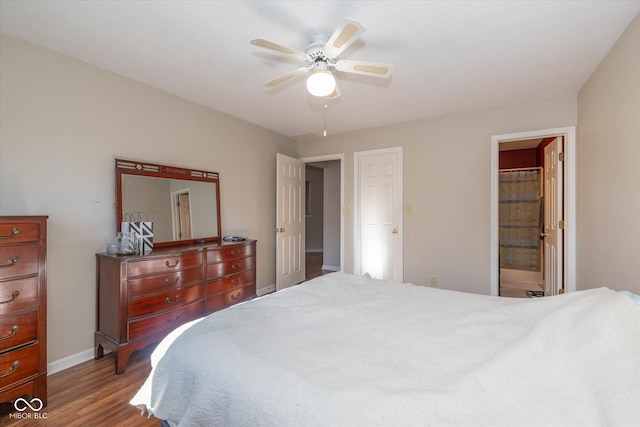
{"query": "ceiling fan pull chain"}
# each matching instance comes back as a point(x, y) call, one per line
point(325, 117)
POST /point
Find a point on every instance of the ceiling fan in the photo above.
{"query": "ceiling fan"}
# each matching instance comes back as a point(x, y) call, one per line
point(321, 56)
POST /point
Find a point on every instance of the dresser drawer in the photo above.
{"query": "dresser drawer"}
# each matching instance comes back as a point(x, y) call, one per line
point(164, 322)
point(165, 282)
point(162, 302)
point(19, 232)
point(230, 267)
point(230, 252)
point(19, 364)
point(230, 282)
point(18, 330)
point(226, 299)
point(20, 294)
point(156, 266)
point(18, 260)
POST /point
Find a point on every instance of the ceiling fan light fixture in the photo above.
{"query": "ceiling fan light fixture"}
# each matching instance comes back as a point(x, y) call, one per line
point(321, 82)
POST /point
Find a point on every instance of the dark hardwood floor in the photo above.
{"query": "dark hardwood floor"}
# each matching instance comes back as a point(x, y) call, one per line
point(91, 394)
point(313, 265)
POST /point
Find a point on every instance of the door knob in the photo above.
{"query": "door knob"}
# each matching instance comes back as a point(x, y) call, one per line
point(395, 230)
point(543, 235)
point(279, 230)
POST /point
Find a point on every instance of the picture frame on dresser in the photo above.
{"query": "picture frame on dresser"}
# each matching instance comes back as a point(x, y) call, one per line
point(23, 308)
point(142, 297)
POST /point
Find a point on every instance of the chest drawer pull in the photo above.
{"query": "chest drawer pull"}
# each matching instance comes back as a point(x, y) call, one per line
point(14, 295)
point(14, 366)
point(170, 320)
point(13, 261)
point(14, 329)
point(169, 283)
point(168, 300)
point(235, 296)
point(172, 266)
point(235, 266)
point(13, 234)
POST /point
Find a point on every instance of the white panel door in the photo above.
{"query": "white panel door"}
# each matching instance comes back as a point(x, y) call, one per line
point(380, 214)
point(553, 234)
point(290, 268)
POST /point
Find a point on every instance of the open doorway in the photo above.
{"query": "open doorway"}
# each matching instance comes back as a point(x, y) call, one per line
point(557, 248)
point(323, 215)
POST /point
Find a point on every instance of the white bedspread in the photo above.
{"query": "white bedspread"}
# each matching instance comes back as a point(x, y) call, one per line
point(343, 350)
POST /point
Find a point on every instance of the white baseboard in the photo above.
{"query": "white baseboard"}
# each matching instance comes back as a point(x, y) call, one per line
point(330, 267)
point(70, 361)
point(267, 290)
point(314, 250)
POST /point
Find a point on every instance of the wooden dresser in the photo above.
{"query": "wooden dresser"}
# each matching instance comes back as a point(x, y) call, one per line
point(141, 298)
point(23, 307)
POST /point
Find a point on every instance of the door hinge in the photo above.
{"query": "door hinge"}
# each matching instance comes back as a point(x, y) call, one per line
point(561, 157)
point(561, 224)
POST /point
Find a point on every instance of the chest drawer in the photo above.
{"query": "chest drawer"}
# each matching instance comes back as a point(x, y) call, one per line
point(18, 260)
point(226, 299)
point(17, 295)
point(230, 252)
point(230, 267)
point(14, 232)
point(163, 302)
point(230, 282)
point(163, 322)
point(17, 330)
point(165, 282)
point(164, 265)
point(19, 364)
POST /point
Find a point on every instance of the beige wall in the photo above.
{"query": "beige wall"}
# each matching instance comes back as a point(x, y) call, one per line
point(609, 169)
point(331, 229)
point(446, 183)
point(62, 124)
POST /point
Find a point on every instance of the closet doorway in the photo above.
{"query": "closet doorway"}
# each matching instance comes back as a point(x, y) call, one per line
point(323, 214)
point(533, 213)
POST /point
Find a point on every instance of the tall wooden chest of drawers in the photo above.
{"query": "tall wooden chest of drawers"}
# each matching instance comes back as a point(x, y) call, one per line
point(141, 298)
point(23, 307)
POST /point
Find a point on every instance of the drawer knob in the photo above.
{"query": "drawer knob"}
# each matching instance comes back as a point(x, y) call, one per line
point(235, 281)
point(174, 265)
point(14, 295)
point(13, 261)
point(168, 300)
point(14, 366)
point(14, 329)
point(169, 283)
point(235, 266)
point(170, 320)
point(235, 296)
point(13, 234)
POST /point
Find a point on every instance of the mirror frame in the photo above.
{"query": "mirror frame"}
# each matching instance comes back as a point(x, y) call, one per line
point(136, 167)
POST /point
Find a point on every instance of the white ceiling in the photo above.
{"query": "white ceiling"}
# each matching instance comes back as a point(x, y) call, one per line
point(448, 56)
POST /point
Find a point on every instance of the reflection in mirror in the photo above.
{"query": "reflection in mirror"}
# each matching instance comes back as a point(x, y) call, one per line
point(178, 209)
point(182, 204)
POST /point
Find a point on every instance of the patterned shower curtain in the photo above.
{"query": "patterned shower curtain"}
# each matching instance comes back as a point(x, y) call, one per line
point(520, 219)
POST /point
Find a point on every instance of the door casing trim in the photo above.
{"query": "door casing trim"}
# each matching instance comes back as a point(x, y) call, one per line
point(570, 213)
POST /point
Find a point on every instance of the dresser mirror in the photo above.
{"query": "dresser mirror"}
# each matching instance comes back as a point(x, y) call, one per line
point(183, 204)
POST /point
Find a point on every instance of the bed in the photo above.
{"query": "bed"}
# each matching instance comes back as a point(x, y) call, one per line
point(345, 350)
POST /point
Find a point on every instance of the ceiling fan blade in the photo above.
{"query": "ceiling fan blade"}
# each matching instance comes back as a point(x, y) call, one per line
point(287, 76)
point(342, 38)
point(374, 69)
point(266, 44)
